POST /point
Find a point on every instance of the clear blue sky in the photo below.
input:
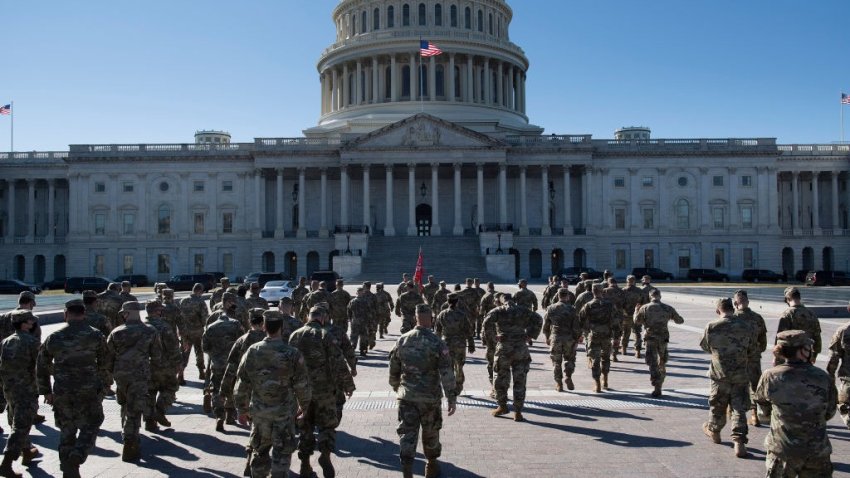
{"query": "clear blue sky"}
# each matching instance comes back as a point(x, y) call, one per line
point(107, 71)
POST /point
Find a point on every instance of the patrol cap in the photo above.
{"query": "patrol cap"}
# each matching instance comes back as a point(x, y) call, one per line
point(257, 315)
point(270, 316)
point(286, 300)
point(126, 284)
point(152, 306)
point(360, 289)
point(369, 284)
point(26, 296)
point(168, 291)
point(317, 310)
point(523, 281)
point(741, 293)
point(132, 305)
point(75, 305)
point(21, 316)
point(114, 286)
point(563, 292)
point(228, 296)
point(379, 284)
point(255, 285)
point(89, 294)
point(655, 292)
point(598, 286)
point(197, 285)
point(452, 297)
point(794, 338)
point(423, 309)
point(442, 282)
point(506, 296)
point(647, 276)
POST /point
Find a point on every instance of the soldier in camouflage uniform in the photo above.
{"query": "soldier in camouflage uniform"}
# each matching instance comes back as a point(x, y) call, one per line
point(97, 321)
point(802, 398)
point(613, 294)
point(420, 371)
point(254, 300)
point(549, 293)
point(298, 295)
point(581, 285)
point(350, 359)
point(598, 319)
point(109, 304)
point(440, 297)
point(487, 303)
point(405, 307)
point(195, 314)
point(284, 313)
point(217, 342)
point(338, 305)
point(524, 297)
point(18, 355)
point(318, 294)
point(132, 348)
point(218, 292)
point(254, 335)
point(429, 289)
point(654, 317)
point(516, 327)
point(646, 284)
point(564, 285)
point(227, 307)
point(384, 308)
point(488, 337)
point(468, 303)
point(457, 331)
point(171, 313)
point(359, 315)
point(402, 286)
point(839, 362)
point(125, 294)
point(633, 299)
point(730, 340)
point(75, 355)
point(798, 317)
point(373, 316)
point(562, 328)
point(328, 373)
point(272, 375)
point(742, 309)
point(163, 385)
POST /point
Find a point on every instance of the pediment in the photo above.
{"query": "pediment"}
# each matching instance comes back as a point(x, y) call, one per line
point(423, 131)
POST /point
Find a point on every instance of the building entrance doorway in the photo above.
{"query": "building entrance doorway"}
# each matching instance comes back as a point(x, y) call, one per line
point(423, 220)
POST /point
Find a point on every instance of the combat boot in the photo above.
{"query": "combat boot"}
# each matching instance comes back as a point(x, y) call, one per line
point(306, 470)
point(614, 356)
point(558, 386)
point(589, 362)
point(605, 381)
point(230, 416)
point(127, 451)
point(407, 468)
point(715, 436)
point(27, 455)
point(741, 449)
point(637, 353)
point(570, 384)
point(161, 419)
point(598, 388)
point(71, 467)
point(6, 470)
point(502, 409)
point(207, 403)
point(327, 467)
point(656, 392)
point(219, 425)
point(754, 420)
point(151, 426)
point(623, 349)
point(180, 379)
point(518, 416)
point(432, 468)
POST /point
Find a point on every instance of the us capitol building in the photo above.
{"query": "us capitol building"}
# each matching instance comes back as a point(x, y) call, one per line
point(445, 153)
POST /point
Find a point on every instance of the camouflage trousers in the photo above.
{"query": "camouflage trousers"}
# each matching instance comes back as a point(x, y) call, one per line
point(627, 328)
point(340, 404)
point(194, 338)
point(637, 329)
point(383, 323)
point(512, 360)
point(132, 396)
point(21, 409)
point(599, 351)
point(562, 351)
point(277, 437)
point(78, 414)
point(219, 401)
point(162, 390)
point(479, 322)
point(413, 416)
point(457, 352)
point(372, 331)
point(844, 400)
point(810, 467)
point(753, 376)
point(491, 358)
point(359, 335)
point(321, 414)
point(408, 322)
point(656, 357)
point(616, 333)
point(725, 395)
point(341, 322)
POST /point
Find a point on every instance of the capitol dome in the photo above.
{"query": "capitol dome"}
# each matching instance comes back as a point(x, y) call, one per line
point(373, 75)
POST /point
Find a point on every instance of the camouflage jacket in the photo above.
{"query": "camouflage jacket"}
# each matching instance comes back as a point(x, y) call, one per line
point(429, 290)
point(548, 294)
point(132, 349)
point(173, 316)
point(75, 355)
point(298, 295)
point(373, 301)
point(421, 368)
point(171, 357)
point(757, 322)
point(218, 340)
point(195, 314)
point(345, 346)
point(571, 297)
point(454, 327)
point(407, 302)
point(599, 317)
point(839, 360)
point(385, 303)
point(440, 298)
point(526, 298)
point(730, 341)
point(98, 321)
point(487, 303)
point(801, 318)
point(654, 316)
point(235, 356)
point(338, 302)
point(561, 321)
point(803, 399)
point(583, 299)
point(617, 298)
point(109, 304)
point(290, 324)
point(468, 301)
point(516, 323)
point(216, 295)
point(127, 297)
point(18, 356)
point(401, 289)
point(325, 363)
point(271, 376)
point(359, 311)
point(257, 302)
point(633, 297)
point(311, 299)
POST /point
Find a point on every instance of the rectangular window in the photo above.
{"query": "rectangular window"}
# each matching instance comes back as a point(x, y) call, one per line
point(649, 257)
point(99, 187)
point(227, 223)
point(199, 263)
point(619, 219)
point(227, 263)
point(620, 259)
point(99, 224)
point(684, 259)
point(198, 186)
point(199, 223)
point(227, 186)
point(749, 263)
point(164, 221)
point(649, 218)
point(129, 223)
point(163, 264)
point(619, 182)
point(717, 181)
point(717, 216)
point(127, 186)
point(719, 258)
point(647, 181)
point(128, 264)
point(747, 181)
point(747, 217)
point(99, 265)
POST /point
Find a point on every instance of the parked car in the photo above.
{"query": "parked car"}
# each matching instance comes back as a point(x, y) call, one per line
point(800, 276)
point(54, 284)
point(827, 278)
point(217, 276)
point(653, 272)
point(75, 285)
point(572, 273)
point(712, 275)
point(14, 286)
point(135, 280)
point(329, 278)
point(187, 281)
point(263, 277)
point(761, 275)
point(275, 290)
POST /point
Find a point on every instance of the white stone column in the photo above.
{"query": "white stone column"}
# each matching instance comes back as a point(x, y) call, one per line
point(734, 221)
point(389, 229)
point(511, 88)
point(376, 76)
point(280, 231)
point(302, 207)
point(450, 91)
point(469, 80)
point(258, 178)
point(414, 75)
point(523, 201)
point(435, 200)
point(346, 93)
point(51, 208)
point(432, 78)
point(323, 229)
point(545, 228)
point(500, 85)
point(334, 90)
point(605, 211)
point(488, 87)
point(394, 87)
point(522, 91)
point(503, 194)
point(367, 220)
point(568, 213)
point(773, 198)
point(323, 97)
point(30, 229)
point(585, 190)
point(795, 195)
point(834, 175)
point(458, 226)
point(343, 195)
point(815, 201)
point(358, 84)
point(479, 181)
point(411, 199)
point(13, 210)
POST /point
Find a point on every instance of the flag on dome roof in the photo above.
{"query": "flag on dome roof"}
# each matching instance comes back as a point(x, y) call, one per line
point(845, 99)
point(6, 109)
point(427, 48)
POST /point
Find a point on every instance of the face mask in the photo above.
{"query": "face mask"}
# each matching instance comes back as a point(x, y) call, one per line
point(807, 354)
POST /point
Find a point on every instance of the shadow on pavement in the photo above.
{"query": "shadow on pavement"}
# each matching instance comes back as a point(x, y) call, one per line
point(616, 438)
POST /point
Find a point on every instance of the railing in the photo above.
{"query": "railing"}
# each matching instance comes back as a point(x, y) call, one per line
point(535, 231)
point(35, 155)
point(416, 32)
point(265, 143)
point(808, 232)
point(495, 228)
point(351, 229)
point(59, 239)
point(814, 149)
point(554, 140)
point(687, 144)
point(86, 149)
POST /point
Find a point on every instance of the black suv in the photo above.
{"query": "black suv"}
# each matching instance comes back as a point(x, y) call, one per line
point(329, 278)
point(761, 275)
point(136, 280)
point(75, 285)
point(572, 274)
point(653, 272)
point(712, 275)
point(262, 277)
point(14, 286)
point(187, 281)
point(827, 278)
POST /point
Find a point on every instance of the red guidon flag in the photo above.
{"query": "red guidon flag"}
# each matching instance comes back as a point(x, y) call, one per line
point(420, 270)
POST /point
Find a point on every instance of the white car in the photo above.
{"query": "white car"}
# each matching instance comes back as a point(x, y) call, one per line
point(275, 290)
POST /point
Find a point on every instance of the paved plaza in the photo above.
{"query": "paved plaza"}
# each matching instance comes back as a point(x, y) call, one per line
point(620, 433)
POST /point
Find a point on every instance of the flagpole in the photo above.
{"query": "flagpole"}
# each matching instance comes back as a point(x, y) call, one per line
point(421, 101)
point(841, 105)
point(12, 127)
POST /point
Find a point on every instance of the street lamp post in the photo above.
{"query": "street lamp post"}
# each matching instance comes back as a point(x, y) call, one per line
point(348, 244)
point(499, 249)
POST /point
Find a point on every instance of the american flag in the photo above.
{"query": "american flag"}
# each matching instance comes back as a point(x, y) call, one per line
point(6, 109)
point(845, 99)
point(427, 48)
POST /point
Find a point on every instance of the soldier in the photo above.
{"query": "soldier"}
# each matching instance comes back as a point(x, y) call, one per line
point(562, 328)
point(218, 292)
point(488, 337)
point(646, 284)
point(373, 316)
point(420, 371)
point(405, 307)
point(468, 301)
point(125, 294)
point(157, 290)
point(581, 287)
point(75, 355)
point(284, 312)
point(254, 300)
point(217, 342)
point(272, 375)
point(195, 315)
point(171, 313)
point(742, 309)
point(254, 335)
point(359, 315)
point(633, 299)
point(298, 295)
point(402, 286)
point(328, 373)
point(227, 307)
point(163, 385)
point(317, 295)
point(839, 361)
point(613, 294)
point(131, 350)
point(479, 316)
point(429, 289)
point(440, 296)
point(516, 327)
point(564, 285)
point(653, 317)
point(384, 308)
point(598, 320)
point(802, 399)
point(18, 355)
point(730, 341)
point(457, 331)
point(350, 359)
point(26, 301)
point(338, 303)
point(798, 317)
point(550, 291)
point(525, 297)
point(93, 318)
point(109, 303)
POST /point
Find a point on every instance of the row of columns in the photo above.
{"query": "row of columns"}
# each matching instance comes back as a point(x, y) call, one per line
point(796, 195)
point(369, 82)
point(12, 208)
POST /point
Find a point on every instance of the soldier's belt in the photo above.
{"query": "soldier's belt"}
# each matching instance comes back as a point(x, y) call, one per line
point(509, 338)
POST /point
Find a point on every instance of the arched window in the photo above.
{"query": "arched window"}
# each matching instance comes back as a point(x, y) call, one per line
point(405, 15)
point(480, 21)
point(352, 92)
point(164, 220)
point(405, 81)
point(423, 14)
point(683, 214)
point(453, 13)
point(353, 24)
point(438, 15)
point(361, 95)
point(491, 23)
point(363, 26)
point(467, 18)
point(499, 30)
point(441, 85)
point(391, 17)
point(376, 19)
